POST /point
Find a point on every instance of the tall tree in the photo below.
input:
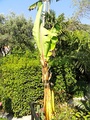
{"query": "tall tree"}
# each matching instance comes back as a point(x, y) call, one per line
point(82, 8)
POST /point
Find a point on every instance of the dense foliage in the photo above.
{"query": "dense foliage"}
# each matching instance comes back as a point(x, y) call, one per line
point(71, 63)
point(20, 72)
point(16, 32)
point(20, 83)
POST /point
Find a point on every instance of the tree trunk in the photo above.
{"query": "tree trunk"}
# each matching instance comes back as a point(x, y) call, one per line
point(48, 92)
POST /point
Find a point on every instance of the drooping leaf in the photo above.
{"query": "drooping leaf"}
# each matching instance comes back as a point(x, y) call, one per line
point(51, 47)
point(48, 42)
point(36, 4)
point(33, 6)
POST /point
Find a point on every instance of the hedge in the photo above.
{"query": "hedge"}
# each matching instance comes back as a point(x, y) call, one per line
point(20, 83)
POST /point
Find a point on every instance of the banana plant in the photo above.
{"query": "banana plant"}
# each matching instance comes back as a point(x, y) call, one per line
point(46, 41)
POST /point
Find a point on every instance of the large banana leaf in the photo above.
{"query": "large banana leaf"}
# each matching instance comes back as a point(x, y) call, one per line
point(36, 28)
point(45, 39)
point(49, 40)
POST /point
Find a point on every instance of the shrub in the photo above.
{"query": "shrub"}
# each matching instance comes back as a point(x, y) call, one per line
point(21, 83)
point(66, 112)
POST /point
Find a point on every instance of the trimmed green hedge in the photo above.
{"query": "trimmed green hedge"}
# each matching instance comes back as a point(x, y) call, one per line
point(20, 82)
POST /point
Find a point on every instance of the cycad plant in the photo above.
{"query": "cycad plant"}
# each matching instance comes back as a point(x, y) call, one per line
point(46, 41)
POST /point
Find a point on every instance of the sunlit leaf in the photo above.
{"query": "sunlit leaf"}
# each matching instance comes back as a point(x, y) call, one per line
point(36, 28)
point(45, 39)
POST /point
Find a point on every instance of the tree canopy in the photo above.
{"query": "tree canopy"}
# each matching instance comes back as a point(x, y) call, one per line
point(16, 32)
point(82, 8)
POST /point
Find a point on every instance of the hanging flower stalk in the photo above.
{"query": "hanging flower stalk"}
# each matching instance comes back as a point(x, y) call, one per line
point(46, 41)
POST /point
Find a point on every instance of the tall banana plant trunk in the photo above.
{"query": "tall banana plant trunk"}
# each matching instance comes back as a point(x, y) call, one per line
point(46, 75)
point(48, 93)
point(46, 41)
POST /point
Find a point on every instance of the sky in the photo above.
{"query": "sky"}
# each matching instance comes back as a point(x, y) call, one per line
point(20, 7)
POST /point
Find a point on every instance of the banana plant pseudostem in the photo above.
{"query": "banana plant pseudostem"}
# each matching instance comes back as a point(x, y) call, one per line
point(46, 41)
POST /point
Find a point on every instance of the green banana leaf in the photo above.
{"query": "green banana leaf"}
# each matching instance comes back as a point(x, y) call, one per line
point(45, 39)
point(49, 40)
point(36, 28)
